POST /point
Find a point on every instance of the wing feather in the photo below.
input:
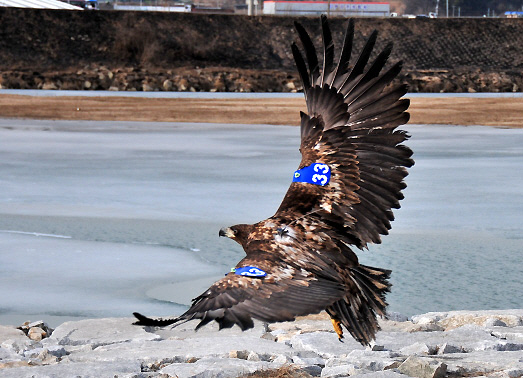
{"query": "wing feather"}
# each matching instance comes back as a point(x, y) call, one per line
point(310, 52)
point(300, 65)
point(342, 67)
point(328, 50)
point(351, 126)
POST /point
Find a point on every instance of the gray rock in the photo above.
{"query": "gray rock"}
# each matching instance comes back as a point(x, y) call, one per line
point(313, 370)
point(241, 354)
point(423, 368)
point(325, 344)
point(382, 374)
point(179, 350)
point(14, 339)
point(8, 355)
point(84, 370)
point(99, 332)
point(364, 359)
point(397, 317)
point(306, 361)
point(108, 347)
point(253, 356)
point(396, 341)
point(454, 319)
point(11, 333)
point(468, 338)
point(514, 373)
point(407, 326)
point(484, 362)
point(448, 348)
point(212, 367)
point(56, 351)
point(339, 371)
point(306, 354)
point(372, 360)
point(494, 322)
point(514, 334)
point(281, 360)
point(415, 349)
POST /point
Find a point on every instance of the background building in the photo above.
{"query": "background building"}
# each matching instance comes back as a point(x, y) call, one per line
point(332, 8)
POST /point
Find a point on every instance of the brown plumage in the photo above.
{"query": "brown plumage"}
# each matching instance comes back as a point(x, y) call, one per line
point(305, 249)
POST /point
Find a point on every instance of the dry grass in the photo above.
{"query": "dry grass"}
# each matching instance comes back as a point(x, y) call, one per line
point(287, 371)
point(502, 112)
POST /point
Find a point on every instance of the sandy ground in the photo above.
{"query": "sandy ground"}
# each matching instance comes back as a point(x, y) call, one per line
point(502, 112)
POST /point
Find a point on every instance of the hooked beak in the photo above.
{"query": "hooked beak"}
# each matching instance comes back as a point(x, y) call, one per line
point(227, 232)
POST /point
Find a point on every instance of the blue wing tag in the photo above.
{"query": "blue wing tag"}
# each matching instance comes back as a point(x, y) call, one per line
point(316, 173)
point(250, 271)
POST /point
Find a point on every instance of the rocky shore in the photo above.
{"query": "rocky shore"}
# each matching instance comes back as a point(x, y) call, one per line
point(432, 345)
point(242, 80)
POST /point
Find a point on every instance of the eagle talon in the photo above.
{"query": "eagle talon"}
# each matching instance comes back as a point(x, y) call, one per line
point(337, 328)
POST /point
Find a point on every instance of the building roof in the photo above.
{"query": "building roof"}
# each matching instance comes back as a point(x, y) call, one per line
point(42, 4)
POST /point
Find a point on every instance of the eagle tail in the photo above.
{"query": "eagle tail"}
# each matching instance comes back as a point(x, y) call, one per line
point(155, 322)
point(358, 311)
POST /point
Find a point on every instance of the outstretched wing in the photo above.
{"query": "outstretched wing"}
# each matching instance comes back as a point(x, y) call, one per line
point(353, 113)
point(287, 289)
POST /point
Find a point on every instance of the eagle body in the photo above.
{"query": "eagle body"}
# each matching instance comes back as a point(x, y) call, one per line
point(349, 179)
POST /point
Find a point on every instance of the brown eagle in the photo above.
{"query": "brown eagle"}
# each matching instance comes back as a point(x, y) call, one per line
point(300, 261)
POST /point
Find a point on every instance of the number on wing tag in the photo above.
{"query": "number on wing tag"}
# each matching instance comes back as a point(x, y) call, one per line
point(250, 271)
point(316, 173)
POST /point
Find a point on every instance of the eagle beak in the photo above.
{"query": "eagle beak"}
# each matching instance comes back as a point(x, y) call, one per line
point(227, 232)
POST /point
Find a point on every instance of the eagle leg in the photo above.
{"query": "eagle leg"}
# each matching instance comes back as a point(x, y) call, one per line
point(337, 327)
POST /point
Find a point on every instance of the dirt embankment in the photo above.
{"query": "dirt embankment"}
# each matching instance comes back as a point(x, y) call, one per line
point(164, 51)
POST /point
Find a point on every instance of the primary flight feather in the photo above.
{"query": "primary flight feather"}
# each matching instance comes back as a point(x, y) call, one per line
point(300, 261)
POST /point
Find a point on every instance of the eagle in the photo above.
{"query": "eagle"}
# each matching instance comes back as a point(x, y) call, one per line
point(301, 260)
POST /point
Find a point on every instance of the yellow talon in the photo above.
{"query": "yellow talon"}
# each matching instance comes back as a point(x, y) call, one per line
point(337, 327)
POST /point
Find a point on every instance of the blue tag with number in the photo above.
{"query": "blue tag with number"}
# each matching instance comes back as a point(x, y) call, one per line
point(316, 173)
point(250, 271)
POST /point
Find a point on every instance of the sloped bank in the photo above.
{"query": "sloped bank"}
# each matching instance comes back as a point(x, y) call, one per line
point(433, 345)
point(186, 52)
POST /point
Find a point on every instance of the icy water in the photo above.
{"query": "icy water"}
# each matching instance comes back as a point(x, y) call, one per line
point(100, 219)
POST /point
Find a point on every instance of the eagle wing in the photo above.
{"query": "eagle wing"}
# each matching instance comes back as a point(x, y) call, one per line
point(287, 291)
point(354, 111)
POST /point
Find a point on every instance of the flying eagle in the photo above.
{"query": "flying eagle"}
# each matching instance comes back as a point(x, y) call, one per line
point(301, 261)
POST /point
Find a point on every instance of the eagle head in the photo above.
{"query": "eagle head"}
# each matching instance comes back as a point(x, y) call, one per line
point(239, 233)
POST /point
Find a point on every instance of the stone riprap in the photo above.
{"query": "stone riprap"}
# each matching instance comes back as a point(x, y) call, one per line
point(432, 345)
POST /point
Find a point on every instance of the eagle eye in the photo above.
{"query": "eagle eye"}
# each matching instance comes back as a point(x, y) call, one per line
point(282, 231)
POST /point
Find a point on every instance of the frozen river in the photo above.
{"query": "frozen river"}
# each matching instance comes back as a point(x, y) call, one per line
point(102, 219)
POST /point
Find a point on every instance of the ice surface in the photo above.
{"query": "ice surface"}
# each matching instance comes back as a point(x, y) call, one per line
point(105, 218)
